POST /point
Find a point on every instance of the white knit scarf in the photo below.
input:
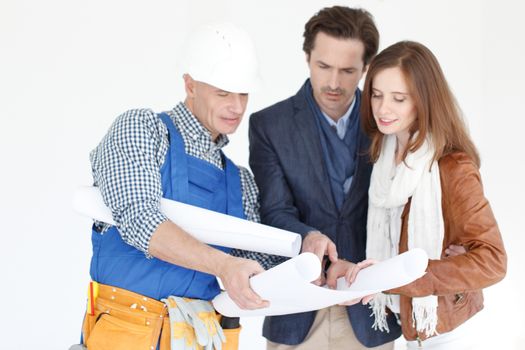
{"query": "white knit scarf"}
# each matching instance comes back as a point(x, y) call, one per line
point(390, 188)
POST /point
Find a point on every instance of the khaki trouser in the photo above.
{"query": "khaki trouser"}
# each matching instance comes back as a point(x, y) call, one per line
point(127, 320)
point(331, 330)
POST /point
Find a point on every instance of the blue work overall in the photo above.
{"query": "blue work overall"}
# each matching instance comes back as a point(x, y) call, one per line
point(185, 179)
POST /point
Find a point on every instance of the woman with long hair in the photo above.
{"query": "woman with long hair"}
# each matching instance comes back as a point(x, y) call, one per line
point(426, 192)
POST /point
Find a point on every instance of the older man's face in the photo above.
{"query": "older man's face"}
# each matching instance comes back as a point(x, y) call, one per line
point(219, 111)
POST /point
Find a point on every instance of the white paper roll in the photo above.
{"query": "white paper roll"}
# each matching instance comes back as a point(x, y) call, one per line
point(289, 290)
point(205, 225)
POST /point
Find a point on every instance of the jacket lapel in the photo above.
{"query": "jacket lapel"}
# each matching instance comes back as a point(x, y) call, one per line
point(306, 127)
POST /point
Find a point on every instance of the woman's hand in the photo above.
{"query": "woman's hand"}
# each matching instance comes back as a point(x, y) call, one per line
point(349, 270)
point(454, 250)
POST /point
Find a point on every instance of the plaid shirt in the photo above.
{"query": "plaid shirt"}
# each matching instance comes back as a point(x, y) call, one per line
point(126, 167)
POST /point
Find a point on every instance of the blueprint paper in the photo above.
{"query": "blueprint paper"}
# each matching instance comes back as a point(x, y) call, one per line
point(205, 225)
point(289, 289)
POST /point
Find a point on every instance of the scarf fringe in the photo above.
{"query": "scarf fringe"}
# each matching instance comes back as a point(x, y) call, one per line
point(378, 305)
point(424, 315)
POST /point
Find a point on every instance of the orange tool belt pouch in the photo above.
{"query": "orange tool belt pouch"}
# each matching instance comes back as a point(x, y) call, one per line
point(232, 339)
point(119, 319)
point(232, 336)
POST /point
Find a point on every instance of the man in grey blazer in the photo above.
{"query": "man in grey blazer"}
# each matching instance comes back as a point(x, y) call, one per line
point(309, 158)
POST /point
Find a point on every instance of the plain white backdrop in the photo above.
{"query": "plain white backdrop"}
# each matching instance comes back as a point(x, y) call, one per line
point(68, 68)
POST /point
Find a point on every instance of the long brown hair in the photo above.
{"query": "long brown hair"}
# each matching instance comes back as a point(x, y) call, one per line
point(437, 111)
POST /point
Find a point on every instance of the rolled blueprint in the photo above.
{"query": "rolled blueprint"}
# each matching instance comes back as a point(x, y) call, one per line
point(289, 290)
point(205, 225)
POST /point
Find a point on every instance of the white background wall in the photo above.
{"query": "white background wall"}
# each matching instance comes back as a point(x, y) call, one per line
point(68, 68)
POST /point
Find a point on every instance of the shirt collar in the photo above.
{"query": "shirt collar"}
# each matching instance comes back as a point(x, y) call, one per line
point(342, 124)
point(343, 121)
point(191, 127)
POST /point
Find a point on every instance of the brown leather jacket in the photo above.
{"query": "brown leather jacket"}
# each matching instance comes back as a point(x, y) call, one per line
point(458, 280)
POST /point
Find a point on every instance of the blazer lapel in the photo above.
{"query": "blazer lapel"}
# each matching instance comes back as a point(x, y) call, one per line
point(306, 127)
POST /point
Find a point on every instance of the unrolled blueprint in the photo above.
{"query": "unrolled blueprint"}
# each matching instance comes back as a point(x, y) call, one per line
point(289, 289)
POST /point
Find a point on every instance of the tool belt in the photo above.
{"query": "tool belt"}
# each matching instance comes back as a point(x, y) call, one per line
point(120, 319)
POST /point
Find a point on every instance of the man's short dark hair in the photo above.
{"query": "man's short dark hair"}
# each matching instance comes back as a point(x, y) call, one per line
point(342, 22)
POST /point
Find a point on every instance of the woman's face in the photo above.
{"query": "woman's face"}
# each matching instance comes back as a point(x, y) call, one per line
point(392, 104)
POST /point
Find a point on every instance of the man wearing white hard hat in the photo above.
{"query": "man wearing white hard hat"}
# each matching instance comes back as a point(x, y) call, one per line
point(147, 268)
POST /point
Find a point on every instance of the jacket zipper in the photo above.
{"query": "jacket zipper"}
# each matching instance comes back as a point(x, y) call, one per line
point(419, 341)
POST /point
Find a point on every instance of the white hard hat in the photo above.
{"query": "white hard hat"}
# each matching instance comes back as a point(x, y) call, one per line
point(221, 55)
